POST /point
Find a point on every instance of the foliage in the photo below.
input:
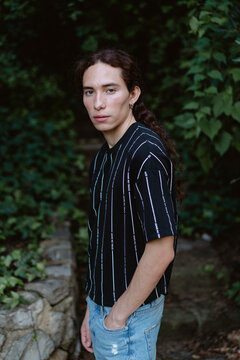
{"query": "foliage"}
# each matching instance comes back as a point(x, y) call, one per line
point(234, 292)
point(16, 268)
point(79, 226)
point(36, 178)
point(211, 114)
point(209, 121)
point(189, 54)
point(41, 166)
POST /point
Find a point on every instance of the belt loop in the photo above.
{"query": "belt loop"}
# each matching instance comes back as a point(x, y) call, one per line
point(102, 309)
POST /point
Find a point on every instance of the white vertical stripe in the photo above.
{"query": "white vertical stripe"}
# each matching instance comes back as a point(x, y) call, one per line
point(165, 284)
point(171, 176)
point(153, 212)
point(95, 184)
point(132, 220)
point(148, 157)
point(164, 202)
point(104, 224)
point(143, 225)
point(112, 245)
point(98, 218)
point(124, 228)
point(95, 162)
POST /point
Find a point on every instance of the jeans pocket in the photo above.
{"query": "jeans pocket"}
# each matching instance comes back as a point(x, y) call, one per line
point(151, 336)
point(117, 330)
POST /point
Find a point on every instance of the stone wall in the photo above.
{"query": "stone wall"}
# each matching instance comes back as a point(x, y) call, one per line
point(47, 328)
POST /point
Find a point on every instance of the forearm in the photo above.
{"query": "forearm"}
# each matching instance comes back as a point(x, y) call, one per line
point(152, 265)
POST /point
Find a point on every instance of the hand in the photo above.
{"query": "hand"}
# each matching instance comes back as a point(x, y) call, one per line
point(85, 333)
point(112, 323)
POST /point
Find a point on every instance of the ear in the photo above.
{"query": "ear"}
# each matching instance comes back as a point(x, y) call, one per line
point(134, 94)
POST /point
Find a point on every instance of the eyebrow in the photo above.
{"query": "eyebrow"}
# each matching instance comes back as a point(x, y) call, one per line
point(105, 85)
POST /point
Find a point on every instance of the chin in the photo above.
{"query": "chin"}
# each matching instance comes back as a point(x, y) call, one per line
point(102, 127)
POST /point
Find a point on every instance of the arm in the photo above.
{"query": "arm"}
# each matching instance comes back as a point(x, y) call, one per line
point(157, 256)
point(85, 332)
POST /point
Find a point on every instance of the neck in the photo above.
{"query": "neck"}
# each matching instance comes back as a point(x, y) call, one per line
point(113, 136)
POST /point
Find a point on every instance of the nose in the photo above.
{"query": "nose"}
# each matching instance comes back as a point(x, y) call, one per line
point(99, 102)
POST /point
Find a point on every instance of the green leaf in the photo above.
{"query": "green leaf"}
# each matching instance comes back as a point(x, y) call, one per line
point(193, 87)
point(89, 44)
point(195, 69)
point(20, 273)
point(215, 74)
point(211, 90)
point(201, 32)
point(209, 267)
point(204, 13)
point(7, 260)
point(220, 57)
point(194, 24)
point(222, 143)
point(40, 266)
point(11, 301)
point(190, 134)
point(198, 77)
point(199, 115)
point(198, 94)
point(191, 106)
point(13, 281)
point(210, 127)
point(223, 102)
point(224, 7)
point(219, 21)
point(16, 254)
point(2, 249)
point(204, 157)
point(206, 110)
point(235, 74)
point(236, 111)
point(185, 123)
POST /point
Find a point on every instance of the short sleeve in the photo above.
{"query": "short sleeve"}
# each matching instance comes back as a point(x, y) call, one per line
point(155, 204)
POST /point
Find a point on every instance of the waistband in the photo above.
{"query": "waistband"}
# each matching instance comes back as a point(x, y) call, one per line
point(106, 309)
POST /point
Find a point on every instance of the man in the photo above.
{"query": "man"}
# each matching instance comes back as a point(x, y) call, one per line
point(132, 216)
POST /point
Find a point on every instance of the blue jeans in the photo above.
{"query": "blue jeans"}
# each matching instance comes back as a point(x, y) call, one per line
point(135, 341)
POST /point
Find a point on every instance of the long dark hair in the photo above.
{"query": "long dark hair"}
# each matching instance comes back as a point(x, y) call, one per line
point(132, 76)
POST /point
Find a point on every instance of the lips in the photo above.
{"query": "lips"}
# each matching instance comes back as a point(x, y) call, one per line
point(101, 117)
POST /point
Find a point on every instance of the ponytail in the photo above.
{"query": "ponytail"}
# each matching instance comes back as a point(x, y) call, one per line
point(147, 118)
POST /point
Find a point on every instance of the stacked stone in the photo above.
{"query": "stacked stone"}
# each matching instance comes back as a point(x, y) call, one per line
point(46, 328)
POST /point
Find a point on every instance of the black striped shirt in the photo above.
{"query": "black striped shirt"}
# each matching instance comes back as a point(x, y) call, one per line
point(132, 202)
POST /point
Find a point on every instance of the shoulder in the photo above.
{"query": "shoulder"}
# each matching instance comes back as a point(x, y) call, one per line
point(148, 153)
point(146, 141)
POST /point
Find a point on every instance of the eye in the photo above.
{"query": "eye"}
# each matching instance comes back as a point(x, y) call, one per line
point(88, 92)
point(111, 91)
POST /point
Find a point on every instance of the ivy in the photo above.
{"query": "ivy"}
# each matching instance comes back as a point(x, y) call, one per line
point(212, 78)
point(16, 268)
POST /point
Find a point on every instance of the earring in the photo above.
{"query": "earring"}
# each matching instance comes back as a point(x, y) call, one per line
point(131, 106)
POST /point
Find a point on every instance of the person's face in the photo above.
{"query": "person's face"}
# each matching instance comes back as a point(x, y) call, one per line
point(106, 97)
